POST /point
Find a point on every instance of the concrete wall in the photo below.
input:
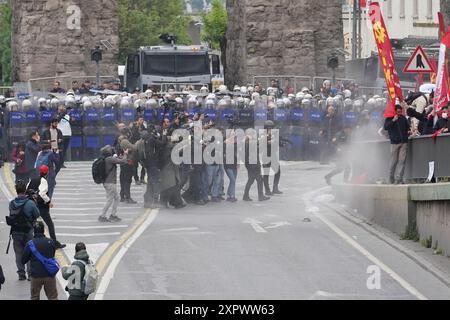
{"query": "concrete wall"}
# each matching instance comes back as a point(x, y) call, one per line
point(282, 37)
point(54, 37)
point(394, 207)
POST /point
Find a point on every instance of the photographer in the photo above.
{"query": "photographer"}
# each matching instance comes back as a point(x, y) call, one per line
point(38, 187)
point(23, 213)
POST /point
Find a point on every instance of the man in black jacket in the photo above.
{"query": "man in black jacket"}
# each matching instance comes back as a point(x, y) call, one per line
point(54, 137)
point(398, 129)
point(39, 274)
point(81, 259)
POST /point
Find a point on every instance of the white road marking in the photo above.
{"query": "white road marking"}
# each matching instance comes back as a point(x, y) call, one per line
point(255, 225)
point(278, 224)
point(405, 284)
point(93, 227)
point(81, 221)
point(95, 250)
point(56, 208)
point(82, 235)
point(88, 214)
point(109, 273)
point(179, 229)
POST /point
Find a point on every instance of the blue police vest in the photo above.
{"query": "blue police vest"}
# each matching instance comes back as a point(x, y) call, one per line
point(280, 115)
point(91, 115)
point(260, 114)
point(297, 114)
point(109, 115)
point(211, 113)
point(47, 116)
point(350, 118)
point(127, 114)
point(149, 115)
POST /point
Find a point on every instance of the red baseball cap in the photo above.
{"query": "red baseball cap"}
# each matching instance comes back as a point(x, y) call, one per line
point(43, 169)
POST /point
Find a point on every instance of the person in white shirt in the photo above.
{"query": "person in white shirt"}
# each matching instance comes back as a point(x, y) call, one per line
point(66, 129)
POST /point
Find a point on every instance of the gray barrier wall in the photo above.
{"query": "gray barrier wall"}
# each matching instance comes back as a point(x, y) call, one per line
point(371, 158)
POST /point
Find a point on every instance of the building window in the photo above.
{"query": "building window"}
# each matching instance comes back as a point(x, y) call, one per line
point(415, 9)
point(429, 9)
point(402, 9)
point(389, 8)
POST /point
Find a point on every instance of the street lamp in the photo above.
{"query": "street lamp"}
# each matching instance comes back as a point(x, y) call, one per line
point(96, 55)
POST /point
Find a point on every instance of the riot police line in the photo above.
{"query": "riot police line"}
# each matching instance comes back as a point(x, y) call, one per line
point(299, 117)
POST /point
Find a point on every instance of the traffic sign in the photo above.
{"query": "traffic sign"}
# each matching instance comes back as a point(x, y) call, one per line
point(419, 63)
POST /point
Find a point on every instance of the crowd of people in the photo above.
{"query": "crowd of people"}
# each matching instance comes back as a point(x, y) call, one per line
point(143, 149)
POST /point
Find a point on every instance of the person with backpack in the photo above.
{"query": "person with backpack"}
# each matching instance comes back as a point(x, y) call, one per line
point(87, 275)
point(23, 213)
point(106, 173)
point(40, 252)
point(40, 186)
point(50, 159)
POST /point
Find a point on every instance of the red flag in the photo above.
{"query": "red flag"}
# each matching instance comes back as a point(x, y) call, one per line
point(433, 75)
point(442, 34)
point(441, 94)
point(363, 3)
point(386, 56)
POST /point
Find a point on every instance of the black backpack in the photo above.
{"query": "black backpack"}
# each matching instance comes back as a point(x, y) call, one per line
point(99, 170)
point(17, 219)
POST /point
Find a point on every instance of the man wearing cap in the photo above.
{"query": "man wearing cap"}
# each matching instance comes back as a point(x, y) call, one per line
point(43, 201)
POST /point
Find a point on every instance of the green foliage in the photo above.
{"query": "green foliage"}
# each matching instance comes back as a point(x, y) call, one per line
point(427, 242)
point(5, 42)
point(215, 25)
point(142, 21)
point(411, 233)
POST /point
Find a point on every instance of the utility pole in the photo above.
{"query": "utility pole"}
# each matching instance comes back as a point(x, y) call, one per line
point(355, 30)
point(359, 35)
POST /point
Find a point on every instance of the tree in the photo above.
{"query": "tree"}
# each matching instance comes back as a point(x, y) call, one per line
point(142, 21)
point(5, 43)
point(215, 25)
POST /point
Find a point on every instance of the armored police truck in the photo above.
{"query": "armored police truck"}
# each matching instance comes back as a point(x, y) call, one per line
point(162, 67)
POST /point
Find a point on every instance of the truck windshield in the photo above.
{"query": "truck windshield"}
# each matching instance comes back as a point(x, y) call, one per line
point(180, 65)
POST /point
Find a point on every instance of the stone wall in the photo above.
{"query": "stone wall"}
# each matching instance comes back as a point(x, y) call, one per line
point(445, 9)
point(54, 38)
point(283, 37)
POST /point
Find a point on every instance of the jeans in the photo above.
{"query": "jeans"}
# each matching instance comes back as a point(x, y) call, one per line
point(214, 176)
point(112, 199)
point(51, 180)
point(19, 242)
point(232, 176)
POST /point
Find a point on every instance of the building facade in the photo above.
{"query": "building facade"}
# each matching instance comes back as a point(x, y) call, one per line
point(403, 18)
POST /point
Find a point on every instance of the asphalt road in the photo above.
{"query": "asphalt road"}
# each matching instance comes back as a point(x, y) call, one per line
point(291, 247)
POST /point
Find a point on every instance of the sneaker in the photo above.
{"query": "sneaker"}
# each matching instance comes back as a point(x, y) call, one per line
point(232, 200)
point(114, 219)
point(180, 206)
point(103, 219)
point(264, 199)
point(59, 245)
point(200, 203)
point(22, 277)
point(268, 193)
point(215, 199)
point(247, 199)
point(277, 192)
point(63, 167)
point(130, 201)
point(122, 200)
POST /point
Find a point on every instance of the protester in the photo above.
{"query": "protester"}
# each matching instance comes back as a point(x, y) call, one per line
point(126, 169)
point(77, 284)
point(40, 185)
point(18, 156)
point(23, 213)
point(110, 184)
point(49, 158)
point(32, 149)
point(36, 250)
point(341, 142)
point(398, 129)
point(54, 137)
point(65, 127)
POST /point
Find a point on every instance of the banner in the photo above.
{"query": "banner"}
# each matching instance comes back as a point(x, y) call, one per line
point(386, 58)
point(363, 3)
point(442, 33)
point(441, 94)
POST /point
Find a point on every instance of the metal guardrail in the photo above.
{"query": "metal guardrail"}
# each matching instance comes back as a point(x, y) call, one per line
point(295, 82)
point(46, 83)
point(372, 159)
